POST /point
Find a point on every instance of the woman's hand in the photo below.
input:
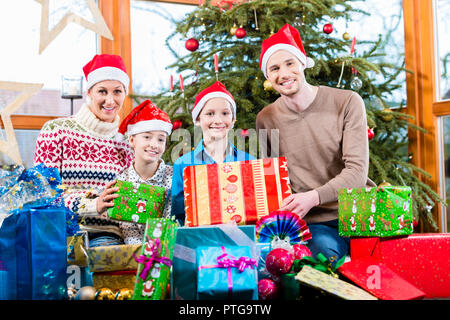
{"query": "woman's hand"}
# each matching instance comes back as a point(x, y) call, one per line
point(105, 199)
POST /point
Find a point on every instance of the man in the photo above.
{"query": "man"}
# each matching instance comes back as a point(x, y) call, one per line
point(323, 135)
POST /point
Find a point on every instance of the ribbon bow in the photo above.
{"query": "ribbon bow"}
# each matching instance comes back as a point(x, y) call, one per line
point(241, 263)
point(321, 264)
point(154, 257)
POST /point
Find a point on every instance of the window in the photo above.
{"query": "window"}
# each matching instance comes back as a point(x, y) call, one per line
point(442, 25)
point(20, 61)
point(151, 24)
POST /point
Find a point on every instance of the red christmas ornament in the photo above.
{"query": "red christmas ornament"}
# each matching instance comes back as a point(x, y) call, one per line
point(279, 261)
point(191, 44)
point(244, 133)
point(237, 218)
point(370, 134)
point(328, 28)
point(415, 222)
point(176, 124)
point(233, 178)
point(301, 251)
point(268, 289)
point(240, 33)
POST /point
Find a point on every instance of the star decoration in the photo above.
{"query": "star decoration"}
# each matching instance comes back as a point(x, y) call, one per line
point(47, 36)
point(10, 146)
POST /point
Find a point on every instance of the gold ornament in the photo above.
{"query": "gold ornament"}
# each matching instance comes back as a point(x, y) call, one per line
point(346, 36)
point(384, 184)
point(104, 294)
point(124, 294)
point(387, 114)
point(233, 29)
point(47, 36)
point(85, 293)
point(10, 146)
point(267, 85)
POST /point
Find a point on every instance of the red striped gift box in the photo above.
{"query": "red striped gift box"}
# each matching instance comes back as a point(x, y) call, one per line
point(243, 191)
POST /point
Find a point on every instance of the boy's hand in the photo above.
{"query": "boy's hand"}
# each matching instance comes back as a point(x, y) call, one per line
point(105, 199)
point(301, 203)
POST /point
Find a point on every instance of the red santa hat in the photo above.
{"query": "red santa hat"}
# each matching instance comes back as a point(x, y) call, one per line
point(287, 38)
point(217, 90)
point(145, 117)
point(106, 67)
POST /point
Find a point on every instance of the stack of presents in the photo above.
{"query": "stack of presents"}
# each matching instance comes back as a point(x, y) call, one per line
point(235, 245)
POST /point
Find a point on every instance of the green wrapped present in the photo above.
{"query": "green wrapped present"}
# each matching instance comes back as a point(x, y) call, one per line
point(155, 260)
point(375, 212)
point(137, 202)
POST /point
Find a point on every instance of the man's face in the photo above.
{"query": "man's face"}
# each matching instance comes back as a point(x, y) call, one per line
point(285, 72)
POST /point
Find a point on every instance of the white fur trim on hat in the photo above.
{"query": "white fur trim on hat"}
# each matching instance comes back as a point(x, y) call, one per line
point(307, 62)
point(216, 94)
point(108, 73)
point(149, 125)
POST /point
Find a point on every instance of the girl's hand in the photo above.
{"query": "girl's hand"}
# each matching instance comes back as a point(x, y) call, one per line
point(105, 199)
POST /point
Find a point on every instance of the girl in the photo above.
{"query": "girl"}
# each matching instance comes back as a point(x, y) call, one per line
point(148, 129)
point(215, 113)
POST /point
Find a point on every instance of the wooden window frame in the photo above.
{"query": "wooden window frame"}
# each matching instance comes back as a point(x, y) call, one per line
point(422, 102)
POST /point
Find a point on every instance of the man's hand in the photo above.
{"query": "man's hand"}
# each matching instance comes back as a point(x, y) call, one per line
point(104, 200)
point(301, 203)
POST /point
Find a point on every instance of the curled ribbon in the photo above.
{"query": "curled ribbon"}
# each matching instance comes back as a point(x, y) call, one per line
point(154, 257)
point(224, 262)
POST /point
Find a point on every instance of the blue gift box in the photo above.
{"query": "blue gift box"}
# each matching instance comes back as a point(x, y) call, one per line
point(219, 276)
point(184, 268)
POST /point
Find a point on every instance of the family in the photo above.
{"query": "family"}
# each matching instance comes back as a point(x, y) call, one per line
point(322, 133)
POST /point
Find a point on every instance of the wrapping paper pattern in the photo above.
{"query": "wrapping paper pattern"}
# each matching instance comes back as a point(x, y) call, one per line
point(379, 280)
point(113, 258)
point(138, 202)
point(154, 285)
point(382, 211)
point(334, 286)
point(184, 276)
point(215, 283)
point(241, 191)
point(421, 259)
point(114, 280)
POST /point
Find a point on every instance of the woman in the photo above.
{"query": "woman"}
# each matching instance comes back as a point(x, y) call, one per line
point(85, 148)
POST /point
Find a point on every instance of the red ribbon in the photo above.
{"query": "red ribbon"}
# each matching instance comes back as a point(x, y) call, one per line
point(154, 257)
point(224, 262)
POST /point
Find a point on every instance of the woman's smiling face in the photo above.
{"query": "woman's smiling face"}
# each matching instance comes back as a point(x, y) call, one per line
point(107, 98)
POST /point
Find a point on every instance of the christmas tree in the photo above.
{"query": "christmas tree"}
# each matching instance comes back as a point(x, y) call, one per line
point(232, 32)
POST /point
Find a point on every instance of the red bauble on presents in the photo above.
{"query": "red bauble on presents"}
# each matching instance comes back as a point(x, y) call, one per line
point(421, 259)
point(243, 191)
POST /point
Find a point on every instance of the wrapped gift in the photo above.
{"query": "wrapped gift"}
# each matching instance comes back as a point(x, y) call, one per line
point(77, 249)
point(226, 273)
point(339, 288)
point(184, 282)
point(137, 202)
point(114, 280)
point(381, 212)
point(289, 287)
point(242, 191)
point(78, 277)
point(374, 277)
point(155, 260)
point(263, 248)
point(33, 249)
point(421, 259)
point(113, 258)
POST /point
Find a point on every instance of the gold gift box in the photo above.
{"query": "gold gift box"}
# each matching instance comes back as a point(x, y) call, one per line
point(114, 280)
point(113, 258)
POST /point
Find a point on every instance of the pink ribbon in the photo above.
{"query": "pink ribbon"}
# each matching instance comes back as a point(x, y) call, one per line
point(227, 261)
point(149, 261)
